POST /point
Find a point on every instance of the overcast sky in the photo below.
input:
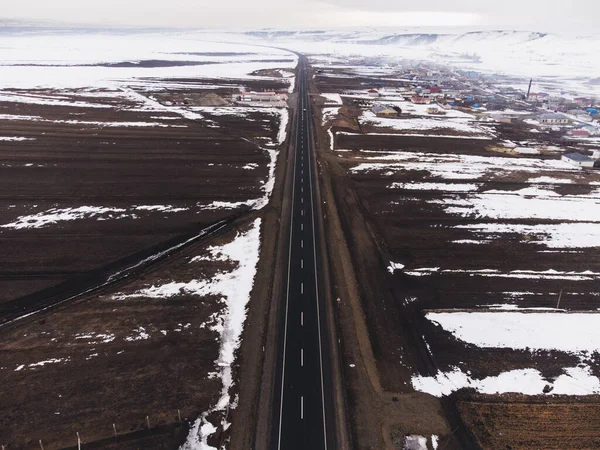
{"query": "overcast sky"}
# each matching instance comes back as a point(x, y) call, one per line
point(542, 15)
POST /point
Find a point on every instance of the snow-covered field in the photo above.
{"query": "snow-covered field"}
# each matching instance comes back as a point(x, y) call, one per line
point(574, 381)
point(332, 99)
point(447, 125)
point(574, 333)
point(456, 166)
point(329, 113)
point(58, 60)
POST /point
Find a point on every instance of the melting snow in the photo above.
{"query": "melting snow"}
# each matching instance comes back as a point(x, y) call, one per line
point(520, 206)
point(419, 124)
point(336, 99)
point(415, 442)
point(234, 288)
point(550, 180)
point(139, 334)
point(395, 266)
point(580, 332)
point(55, 215)
point(15, 139)
point(575, 381)
point(562, 235)
point(96, 338)
point(463, 167)
point(424, 186)
point(549, 274)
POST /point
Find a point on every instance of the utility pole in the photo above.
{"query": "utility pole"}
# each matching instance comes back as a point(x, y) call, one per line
point(529, 90)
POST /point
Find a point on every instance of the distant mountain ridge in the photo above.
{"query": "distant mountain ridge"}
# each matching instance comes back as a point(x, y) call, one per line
point(408, 38)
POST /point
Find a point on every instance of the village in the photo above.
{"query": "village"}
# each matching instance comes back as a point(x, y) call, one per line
point(571, 121)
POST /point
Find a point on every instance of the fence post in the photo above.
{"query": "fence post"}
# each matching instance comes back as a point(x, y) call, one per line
point(41, 445)
point(115, 429)
point(78, 441)
point(148, 422)
point(178, 415)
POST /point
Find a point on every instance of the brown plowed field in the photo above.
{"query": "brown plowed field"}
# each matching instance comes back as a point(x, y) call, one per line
point(89, 364)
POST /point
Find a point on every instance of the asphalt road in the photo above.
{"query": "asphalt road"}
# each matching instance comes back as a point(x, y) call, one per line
point(302, 409)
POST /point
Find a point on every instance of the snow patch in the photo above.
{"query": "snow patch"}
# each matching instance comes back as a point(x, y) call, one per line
point(575, 381)
point(580, 332)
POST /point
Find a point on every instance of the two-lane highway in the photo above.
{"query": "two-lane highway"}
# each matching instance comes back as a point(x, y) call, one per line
point(302, 399)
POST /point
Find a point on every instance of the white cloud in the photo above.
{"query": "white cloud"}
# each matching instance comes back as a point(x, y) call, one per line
point(538, 14)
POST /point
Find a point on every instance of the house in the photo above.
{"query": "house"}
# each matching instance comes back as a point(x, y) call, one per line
point(267, 96)
point(420, 100)
point(538, 96)
point(501, 118)
point(578, 160)
point(373, 93)
point(593, 130)
point(553, 119)
point(583, 117)
point(584, 102)
point(579, 133)
point(385, 111)
point(435, 110)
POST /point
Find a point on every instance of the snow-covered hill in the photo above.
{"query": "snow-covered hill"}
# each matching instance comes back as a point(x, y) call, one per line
point(510, 52)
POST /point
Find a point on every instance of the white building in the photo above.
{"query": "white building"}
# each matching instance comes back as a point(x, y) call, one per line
point(578, 160)
point(553, 119)
point(268, 96)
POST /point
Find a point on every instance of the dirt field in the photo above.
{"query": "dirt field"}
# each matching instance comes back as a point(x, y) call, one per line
point(517, 425)
point(87, 188)
point(131, 359)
